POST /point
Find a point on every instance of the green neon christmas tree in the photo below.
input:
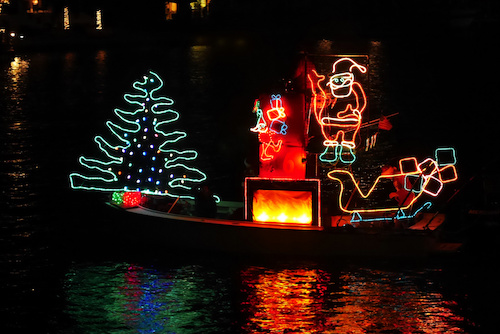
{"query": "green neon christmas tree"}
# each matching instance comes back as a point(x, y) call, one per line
point(140, 155)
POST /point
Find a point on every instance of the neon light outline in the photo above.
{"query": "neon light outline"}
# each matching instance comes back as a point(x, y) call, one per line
point(363, 195)
point(454, 170)
point(428, 179)
point(276, 115)
point(428, 162)
point(425, 176)
point(277, 106)
point(449, 149)
point(412, 186)
point(261, 121)
point(347, 121)
point(356, 217)
point(126, 135)
point(271, 145)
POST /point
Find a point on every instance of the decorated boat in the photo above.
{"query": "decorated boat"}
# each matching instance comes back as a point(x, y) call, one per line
point(300, 200)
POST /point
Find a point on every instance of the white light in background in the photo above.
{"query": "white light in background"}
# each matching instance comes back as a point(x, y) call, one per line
point(66, 18)
point(98, 19)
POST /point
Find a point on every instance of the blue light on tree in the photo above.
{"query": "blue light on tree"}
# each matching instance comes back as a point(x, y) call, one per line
point(141, 153)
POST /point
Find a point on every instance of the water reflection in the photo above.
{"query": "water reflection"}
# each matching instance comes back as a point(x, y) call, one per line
point(70, 62)
point(281, 301)
point(357, 301)
point(375, 300)
point(101, 70)
point(17, 70)
point(19, 197)
point(15, 84)
point(16, 163)
point(198, 56)
point(127, 298)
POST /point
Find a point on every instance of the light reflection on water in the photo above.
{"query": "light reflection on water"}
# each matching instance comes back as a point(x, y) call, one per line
point(128, 298)
point(354, 301)
point(377, 300)
point(278, 301)
point(16, 155)
point(21, 256)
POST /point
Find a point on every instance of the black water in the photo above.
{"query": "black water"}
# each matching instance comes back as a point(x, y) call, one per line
point(54, 102)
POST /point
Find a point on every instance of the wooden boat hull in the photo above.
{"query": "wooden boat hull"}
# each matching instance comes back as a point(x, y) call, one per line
point(177, 233)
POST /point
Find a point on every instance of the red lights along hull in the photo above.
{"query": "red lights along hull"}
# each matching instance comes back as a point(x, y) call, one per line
point(178, 234)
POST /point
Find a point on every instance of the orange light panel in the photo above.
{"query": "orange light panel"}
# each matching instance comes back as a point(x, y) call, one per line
point(282, 206)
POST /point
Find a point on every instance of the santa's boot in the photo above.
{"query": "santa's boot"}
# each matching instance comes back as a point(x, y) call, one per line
point(330, 154)
point(346, 154)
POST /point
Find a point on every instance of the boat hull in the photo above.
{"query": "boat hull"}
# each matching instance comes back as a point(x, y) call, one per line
point(176, 233)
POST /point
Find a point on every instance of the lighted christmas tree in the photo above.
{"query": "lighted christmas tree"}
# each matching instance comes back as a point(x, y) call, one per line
point(141, 156)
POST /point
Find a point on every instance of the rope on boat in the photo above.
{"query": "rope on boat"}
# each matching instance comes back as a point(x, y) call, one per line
point(172, 206)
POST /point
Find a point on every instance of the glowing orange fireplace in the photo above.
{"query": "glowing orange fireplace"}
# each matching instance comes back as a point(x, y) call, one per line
point(286, 201)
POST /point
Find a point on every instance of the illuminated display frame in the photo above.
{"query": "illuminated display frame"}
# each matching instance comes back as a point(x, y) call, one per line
point(299, 200)
point(265, 183)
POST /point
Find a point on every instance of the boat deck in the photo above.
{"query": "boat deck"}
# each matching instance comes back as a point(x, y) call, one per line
point(180, 232)
point(429, 221)
point(220, 221)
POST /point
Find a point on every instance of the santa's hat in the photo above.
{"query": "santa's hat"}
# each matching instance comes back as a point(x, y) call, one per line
point(348, 62)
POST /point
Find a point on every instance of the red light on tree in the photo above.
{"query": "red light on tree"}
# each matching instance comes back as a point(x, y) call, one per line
point(131, 199)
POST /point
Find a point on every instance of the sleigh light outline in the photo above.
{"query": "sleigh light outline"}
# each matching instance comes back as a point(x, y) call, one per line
point(429, 177)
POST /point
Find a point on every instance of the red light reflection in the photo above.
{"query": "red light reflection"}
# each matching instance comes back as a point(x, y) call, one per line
point(358, 301)
point(284, 301)
point(380, 301)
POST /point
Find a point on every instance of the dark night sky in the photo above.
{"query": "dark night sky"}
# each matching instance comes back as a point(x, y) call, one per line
point(357, 16)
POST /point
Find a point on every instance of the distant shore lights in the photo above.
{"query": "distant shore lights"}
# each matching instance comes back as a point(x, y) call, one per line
point(66, 18)
point(98, 20)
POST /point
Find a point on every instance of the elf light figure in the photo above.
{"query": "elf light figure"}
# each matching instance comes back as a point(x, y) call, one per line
point(141, 155)
point(271, 127)
point(339, 111)
point(280, 127)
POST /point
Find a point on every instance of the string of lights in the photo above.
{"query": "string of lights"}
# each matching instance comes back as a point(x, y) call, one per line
point(139, 157)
